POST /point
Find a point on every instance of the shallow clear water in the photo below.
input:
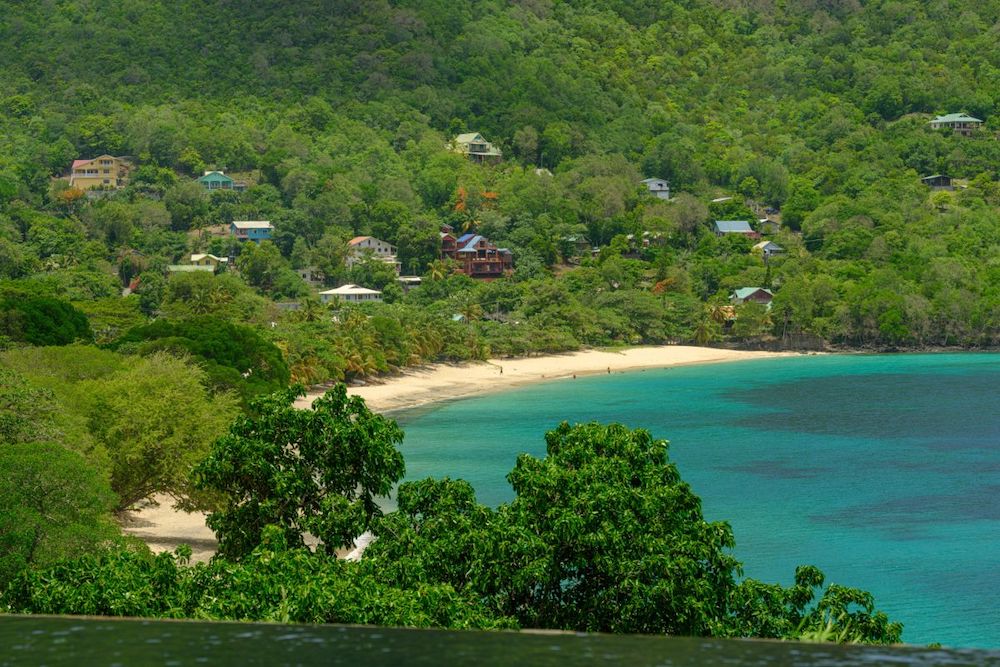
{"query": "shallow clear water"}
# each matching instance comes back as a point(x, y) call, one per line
point(882, 470)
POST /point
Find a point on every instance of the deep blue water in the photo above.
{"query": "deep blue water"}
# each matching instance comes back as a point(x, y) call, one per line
point(882, 470)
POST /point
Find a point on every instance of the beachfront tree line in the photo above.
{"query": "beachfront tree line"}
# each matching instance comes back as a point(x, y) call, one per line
point(602, 535)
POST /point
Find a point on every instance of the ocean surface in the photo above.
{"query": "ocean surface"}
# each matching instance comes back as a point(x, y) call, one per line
point(881, 470)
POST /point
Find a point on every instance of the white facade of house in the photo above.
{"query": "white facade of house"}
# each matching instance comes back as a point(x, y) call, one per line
point(351, 294)
point(657, 187)
point(360, 246)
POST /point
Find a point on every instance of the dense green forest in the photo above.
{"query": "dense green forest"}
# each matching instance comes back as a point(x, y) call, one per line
point(338, 115)
point(118, 377)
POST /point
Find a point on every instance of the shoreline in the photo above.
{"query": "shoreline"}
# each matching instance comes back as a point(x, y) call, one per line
point(420, 386)
point(163, 528)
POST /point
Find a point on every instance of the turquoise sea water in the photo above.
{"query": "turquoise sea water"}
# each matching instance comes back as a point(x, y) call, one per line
point(882, 470)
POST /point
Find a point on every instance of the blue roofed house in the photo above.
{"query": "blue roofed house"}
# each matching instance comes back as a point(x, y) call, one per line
point(477, 256)
point(251, 230)
point(724, 227)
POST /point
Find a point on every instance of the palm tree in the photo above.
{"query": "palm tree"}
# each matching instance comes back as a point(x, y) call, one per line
point(310, 310)
point(439, 269)
point(469, 308)
point(709, 327)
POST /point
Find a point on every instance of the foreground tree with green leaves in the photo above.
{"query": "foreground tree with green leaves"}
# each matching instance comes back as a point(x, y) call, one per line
point(313, 471)
point(53, 506)
point(273, 583)
point(602, 536)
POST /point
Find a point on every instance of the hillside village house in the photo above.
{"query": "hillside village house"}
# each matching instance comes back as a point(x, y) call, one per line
point(311, 275)
point(203, 259)
point(768, 226)
point(350, 294)
point(251, 230)
point(476, 148)
point(959, 123)
point(768, 249)
point(756, 294)
point(361, 246)
point(657, 187)
point(477, 257)
point(724, 227)
point(938, 182)
point(216, 180)
point(101, 173)
point(409, 282)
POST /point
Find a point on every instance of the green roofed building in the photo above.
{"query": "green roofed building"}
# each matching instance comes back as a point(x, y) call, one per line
point(959, 123)
point(216, 180)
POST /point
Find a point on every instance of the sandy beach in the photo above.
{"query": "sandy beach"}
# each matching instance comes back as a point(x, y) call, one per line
point(163, 528)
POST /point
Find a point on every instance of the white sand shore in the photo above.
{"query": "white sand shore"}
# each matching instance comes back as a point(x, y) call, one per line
point(163, 528)
point(428, 384)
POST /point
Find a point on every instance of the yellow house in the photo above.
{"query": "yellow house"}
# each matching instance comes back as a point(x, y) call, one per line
point(203, 259)
point(104, 172)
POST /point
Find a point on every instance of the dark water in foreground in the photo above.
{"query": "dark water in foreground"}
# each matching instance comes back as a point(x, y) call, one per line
point(34, 640)
point(882, 470)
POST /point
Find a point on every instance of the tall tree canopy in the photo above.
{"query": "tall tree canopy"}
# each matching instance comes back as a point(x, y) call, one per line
point(315, 471)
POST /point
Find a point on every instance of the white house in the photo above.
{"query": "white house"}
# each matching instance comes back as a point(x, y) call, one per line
point(360, 246)
point(350, 294)
point(657, 187)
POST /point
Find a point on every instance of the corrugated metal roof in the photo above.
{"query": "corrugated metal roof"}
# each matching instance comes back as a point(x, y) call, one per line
point(956, 118)
point(350, 289)
point(252, 224)
point(744, 292)
point(733, 226)
point(472, 242)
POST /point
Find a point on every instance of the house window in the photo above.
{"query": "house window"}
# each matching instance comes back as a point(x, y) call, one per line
point(107, 182)
point(107, 171)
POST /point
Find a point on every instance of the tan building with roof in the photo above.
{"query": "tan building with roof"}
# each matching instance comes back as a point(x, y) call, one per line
point(473, 146)
point(105, 172)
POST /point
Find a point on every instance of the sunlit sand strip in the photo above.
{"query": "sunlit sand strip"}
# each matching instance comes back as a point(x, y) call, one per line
point(164, 528)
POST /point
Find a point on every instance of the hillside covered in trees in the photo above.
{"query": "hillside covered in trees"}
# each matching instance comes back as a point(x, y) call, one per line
point(124, 377)
point(338, 113)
